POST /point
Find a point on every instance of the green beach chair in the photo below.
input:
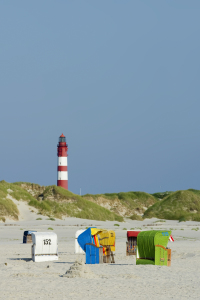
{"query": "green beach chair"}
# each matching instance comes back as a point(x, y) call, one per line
point(152, 248)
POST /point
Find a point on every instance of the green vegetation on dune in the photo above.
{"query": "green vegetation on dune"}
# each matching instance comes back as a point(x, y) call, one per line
point(81, 209)
point(57, 202)
point(7, 207)
point(59, 193)
point(197, 192)
point(161, 195)
point(71, 205)
point(129, 204)
point(126, 197)
point(15, 191)
point(180, 205)
point(32, 188)
point(19, 183)
point(138, 200)
point(136, 217)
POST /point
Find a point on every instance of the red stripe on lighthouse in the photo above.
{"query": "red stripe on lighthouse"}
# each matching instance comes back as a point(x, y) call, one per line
point(63, 183)
point(62, 168)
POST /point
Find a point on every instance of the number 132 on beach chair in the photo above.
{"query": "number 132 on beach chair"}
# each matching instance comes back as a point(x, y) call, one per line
point(45, 246)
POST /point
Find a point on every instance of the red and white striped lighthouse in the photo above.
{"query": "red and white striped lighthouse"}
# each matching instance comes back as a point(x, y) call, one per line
point(62, 162)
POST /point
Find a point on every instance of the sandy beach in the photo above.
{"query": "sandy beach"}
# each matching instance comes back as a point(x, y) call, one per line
point(21, 278)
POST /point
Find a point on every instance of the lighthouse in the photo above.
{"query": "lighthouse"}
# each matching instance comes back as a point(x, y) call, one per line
point(62, 162)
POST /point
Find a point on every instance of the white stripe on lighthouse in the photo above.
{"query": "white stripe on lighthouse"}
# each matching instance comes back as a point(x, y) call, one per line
point(62, 161)
point(62, 175)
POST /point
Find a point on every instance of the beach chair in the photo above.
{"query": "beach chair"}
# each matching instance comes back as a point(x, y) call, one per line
point(152, 248)
point(78, 249)
point(45, 246)
point(27, 237)
point(107, 241)
point(131, 244)
point(95, 248)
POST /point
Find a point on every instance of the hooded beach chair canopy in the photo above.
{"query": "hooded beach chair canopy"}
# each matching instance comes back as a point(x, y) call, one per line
point(107, 238)
point(132, 233)
point(89, 236)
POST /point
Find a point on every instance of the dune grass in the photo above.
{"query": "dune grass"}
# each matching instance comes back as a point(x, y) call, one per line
point(57, 203)
point(81, 209)
point(179, 205)
point(15, 191)
point(19, 183)
point(8, 209)
point(133, 201)
point(72, 205)
point(161, 195)
point(136, 217)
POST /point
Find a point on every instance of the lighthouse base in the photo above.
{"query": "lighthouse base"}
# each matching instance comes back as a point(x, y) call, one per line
point(63, 183)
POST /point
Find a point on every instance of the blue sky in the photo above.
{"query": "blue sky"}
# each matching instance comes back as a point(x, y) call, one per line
point(119, 78)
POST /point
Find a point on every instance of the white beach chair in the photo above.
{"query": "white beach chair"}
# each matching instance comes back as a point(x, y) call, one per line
point(45, 246)
point(78, 249)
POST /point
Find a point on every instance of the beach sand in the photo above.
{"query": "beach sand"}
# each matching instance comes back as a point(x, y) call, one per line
point(21, 278)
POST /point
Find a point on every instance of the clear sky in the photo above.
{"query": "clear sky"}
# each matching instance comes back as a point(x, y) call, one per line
point(121, 80)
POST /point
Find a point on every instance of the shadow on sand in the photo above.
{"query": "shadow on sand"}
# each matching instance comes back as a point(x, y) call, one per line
point(24, 259)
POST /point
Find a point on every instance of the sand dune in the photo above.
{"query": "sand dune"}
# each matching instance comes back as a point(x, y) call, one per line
point(26, 212)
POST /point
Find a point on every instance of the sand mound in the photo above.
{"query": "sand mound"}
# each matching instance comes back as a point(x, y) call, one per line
point(79, 269)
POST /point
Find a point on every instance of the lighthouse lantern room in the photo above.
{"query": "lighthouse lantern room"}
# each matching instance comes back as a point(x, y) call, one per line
point(62, 179)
